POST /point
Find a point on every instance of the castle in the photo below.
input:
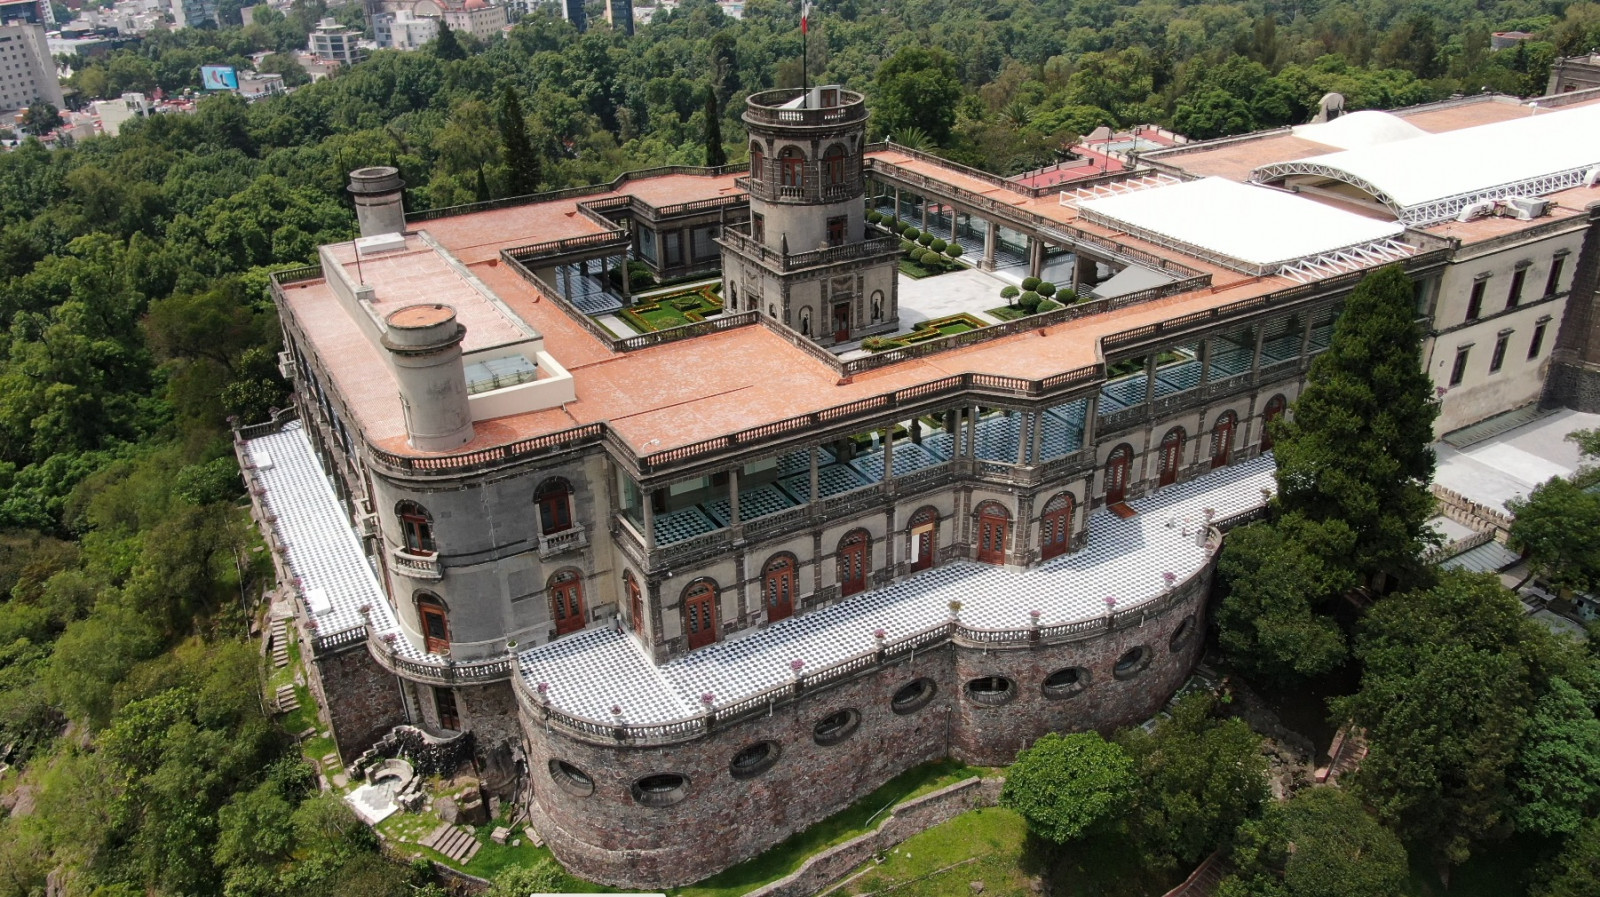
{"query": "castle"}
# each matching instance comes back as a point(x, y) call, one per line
point(695, 588)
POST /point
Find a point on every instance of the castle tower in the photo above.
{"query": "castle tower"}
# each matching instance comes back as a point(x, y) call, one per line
point(424, 343)
point(806, 260)
point(380, 200)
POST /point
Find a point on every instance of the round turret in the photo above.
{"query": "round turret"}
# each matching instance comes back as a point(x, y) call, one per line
point(379, 196)
point(424, 343)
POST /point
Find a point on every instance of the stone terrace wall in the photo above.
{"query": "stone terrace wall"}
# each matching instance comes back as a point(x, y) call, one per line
point(910, 818)
point(362, 699)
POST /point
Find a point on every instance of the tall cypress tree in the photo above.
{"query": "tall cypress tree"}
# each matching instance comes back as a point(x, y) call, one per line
point(1359, 448)
point(716, 155)
point(521, 158)
point(445, 46)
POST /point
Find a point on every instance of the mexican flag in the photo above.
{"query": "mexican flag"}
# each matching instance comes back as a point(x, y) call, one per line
point(805, 16)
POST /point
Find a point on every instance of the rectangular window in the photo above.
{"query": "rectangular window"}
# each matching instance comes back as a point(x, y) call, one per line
point(1475, 303)
point(836, 230)
point(1517, 280)
point(1460, 369)
point(1498, 360)
point(1553, 282)
point(758, 227)
point(672, 249)
point(1538, 340)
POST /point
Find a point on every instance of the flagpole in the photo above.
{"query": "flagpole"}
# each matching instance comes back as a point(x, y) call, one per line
point(805, 57)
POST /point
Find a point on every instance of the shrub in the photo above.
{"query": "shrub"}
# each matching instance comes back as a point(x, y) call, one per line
point(1046, 289)
point(877, 344)
point(909, 230)
point(925, 238)
point(954, 250)
point(1010, 293)
point(1048, 305)
point(1067, 297)
point(875, 216)
point(906, 246)
point(1030, 283)
point(1029, 302)
point(932, 260)
point(938, 245)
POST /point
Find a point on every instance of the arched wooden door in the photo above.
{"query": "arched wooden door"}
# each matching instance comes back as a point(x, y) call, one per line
point(994, 527)
point(435, 625)
point(635, 602)
point(1117, 474)
point(854, 550)
point(924, 538)
point(1171, 456)
point(700, 613)
point(566, 601)
point(1055, 527)
point(1222, 438)
point(777, 588)
point(1274, 410)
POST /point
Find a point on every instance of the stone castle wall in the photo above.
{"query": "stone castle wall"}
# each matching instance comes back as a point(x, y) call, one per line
point(366, 699)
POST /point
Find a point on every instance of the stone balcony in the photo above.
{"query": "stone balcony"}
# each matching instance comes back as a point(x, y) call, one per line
point(553, 544)
point(425, 567)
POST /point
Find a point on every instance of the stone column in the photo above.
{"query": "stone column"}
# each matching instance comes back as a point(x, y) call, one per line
point(1089, 416)
point(896, 202)
point(648, 499)
point(816, 495)
point(1038, 437)
point(1024, 437)
point(972, 431)
point(924, 213)
point(991, 239)
point(627, 282)
point(733, 497)
point(1205, 360)
point(1255, 359)
point(955, 224)
point(888, 457)
point(1035, 256)
point(1150, 377)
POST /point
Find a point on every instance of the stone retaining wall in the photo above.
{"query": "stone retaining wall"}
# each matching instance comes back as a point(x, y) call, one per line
point(910, 818)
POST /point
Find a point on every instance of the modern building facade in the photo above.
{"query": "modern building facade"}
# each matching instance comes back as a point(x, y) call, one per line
point(620, 14)
point(194, 13)
point(335, 43)
point(695, 589)
point(27, 72)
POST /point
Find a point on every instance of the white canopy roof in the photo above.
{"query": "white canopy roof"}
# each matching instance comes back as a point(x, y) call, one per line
point(1251, 228)
point(1430, 178)
point(1354, 130)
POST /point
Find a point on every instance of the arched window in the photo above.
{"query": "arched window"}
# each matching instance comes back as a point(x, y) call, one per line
point(994, 528)
point(855, 551)
point(877, 306)
point(635, 602)
point(805, 321)
point(793, 163)
point(435, 623)
point(757, 162)
point(566, 601)
point(1171, 455)
point(1274, 410)
point(924, 538)
point(1055, 526)
point(700, 613)
point(777, 587)
point(416, 528)
point(1222, 438)
point(1117, 474)
point(555, 506)
point(833, 165)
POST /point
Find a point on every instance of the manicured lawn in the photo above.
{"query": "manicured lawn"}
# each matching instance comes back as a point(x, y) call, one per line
point(865, 814)
point(985, 845)
point(673, 310)
point(933, 329)
point(917, 271)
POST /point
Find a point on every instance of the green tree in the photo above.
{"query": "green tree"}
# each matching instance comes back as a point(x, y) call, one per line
point(1555, 527)
point(522, 161)
point(41, 118)
point(1321, 843)
point(916, 88)
point(1444, 699)
point(446, 46)
point(1275, 583)
point(716, 154)
point(1557, 774)
point(1358, 449)
point(1575, 870)
point(1070, 786)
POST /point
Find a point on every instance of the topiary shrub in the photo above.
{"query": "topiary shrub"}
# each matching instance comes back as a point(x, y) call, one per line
point(1067, 297)
point(907, 247)
point(925, 238)
point(1045, 289)
point(877, 344)
point(875, 216)
point(909, 230)
point(1029, 302)
point(931, 260)
point(1048, 305)
point(938, 245)
point(1030, 283)
point(1010, 293)
point(954, 250)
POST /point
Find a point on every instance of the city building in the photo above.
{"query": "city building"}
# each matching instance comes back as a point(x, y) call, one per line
point(573, 11)
point(194, 13)
point(335, 43)
point(403, 29)
point(112, 113)
point(256, 85)
point(474, 17)
point(26, 12)
point(620, 14)
point(1574, 73)
point(691, 589)
point(27, 71)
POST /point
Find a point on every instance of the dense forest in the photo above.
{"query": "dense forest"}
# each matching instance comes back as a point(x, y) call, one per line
point(135, 320)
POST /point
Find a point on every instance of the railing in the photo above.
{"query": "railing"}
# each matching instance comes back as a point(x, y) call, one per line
point(416, 566)
point(1113, 421)
point(568, 540)
point(766, 107)
point(554, 248)
point(296, 275)
point(687, 331)
point(548, 444)
point(953, 631)
point(444, 671)
point(1440, 553)
point(1241, 518)
point(336, 641)
point(572, 192)
point(796, 261)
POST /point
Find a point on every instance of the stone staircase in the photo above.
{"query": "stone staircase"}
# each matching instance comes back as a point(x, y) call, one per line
point(287, 700)
point(280, 643)
point(454, 841)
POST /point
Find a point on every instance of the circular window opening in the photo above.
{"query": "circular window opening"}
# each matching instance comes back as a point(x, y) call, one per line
point(571, 778)
point(992, 690)
point(754, 760)
point(914, 696)
point(836, 727)
point(661, 790)
point(1066, 683)
point(1132, 663)
point(1182, 634)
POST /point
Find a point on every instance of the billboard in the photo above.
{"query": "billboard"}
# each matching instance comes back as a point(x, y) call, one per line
point(219, 77)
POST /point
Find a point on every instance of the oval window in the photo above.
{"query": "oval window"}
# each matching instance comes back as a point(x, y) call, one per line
point(836, 727)
point(1132, 663)
point(571, 778)
point(1066, 683)
point(1181, 635)
point(991, 690)
point(914, 696)
point(754, 760)
point(660, 790)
